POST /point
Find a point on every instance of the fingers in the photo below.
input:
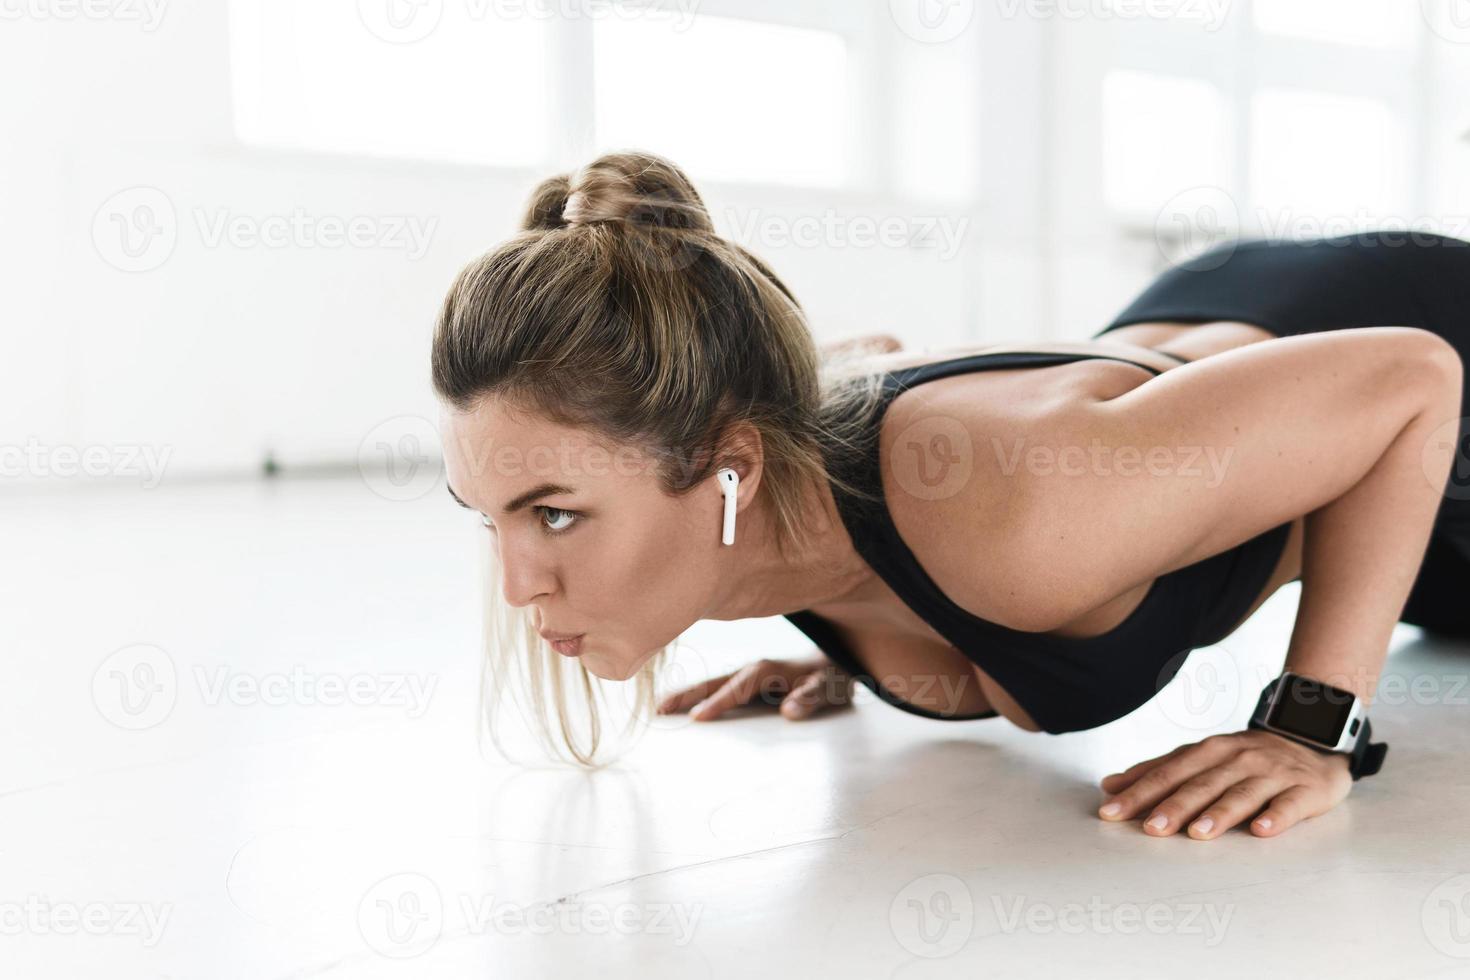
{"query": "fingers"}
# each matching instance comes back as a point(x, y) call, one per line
point(1288, 808)
point(799, 687)
point(1213, 747)
point(1237, 803)
point(1162, 776)
point(817, 690)
point(692, 695)
point(1224, 780)
point(1169, 807)
point(744, 686)
point(1120, 781)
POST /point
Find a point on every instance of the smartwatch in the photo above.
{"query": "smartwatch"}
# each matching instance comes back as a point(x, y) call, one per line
point(1327, 718)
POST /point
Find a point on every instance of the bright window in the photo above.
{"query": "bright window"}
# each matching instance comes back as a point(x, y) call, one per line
point(936, 119)
point(447, 82)
point(726, 98)
point(1379, 23)
point(1162, 135)
point(1316, 155)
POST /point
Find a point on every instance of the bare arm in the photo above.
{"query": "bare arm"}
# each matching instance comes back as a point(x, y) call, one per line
point(1196, 461)
point(1376, 476)
point(1361, 552)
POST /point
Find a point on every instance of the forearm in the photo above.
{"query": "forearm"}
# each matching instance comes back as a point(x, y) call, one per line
point(1362, 552)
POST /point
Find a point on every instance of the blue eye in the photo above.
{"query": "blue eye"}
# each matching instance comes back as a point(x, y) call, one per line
point(548, 528)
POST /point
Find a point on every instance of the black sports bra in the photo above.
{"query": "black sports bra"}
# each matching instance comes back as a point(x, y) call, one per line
point(1064, 683)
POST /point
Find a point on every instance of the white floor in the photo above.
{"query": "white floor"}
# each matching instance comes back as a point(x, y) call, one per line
point(239, 723)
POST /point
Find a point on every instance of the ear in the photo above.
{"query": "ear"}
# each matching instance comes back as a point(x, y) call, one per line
point(743, 451)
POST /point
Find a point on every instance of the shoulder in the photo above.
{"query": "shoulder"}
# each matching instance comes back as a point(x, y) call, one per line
point(956, 471)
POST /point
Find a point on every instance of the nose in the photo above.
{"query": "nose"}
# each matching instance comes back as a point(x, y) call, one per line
point(524, 576)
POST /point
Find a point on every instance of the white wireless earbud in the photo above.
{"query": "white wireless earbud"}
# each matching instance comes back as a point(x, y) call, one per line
point(729, 483)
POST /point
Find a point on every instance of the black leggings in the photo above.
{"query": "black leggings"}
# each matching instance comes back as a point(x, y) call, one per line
point(1411, 279)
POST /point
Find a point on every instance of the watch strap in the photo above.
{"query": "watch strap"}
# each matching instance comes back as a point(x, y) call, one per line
point(1365, 758)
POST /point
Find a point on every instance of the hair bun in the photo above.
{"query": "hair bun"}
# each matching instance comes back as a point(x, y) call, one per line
point(641, 189)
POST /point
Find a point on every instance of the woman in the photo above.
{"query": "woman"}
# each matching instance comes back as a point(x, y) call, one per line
point(1037, 534)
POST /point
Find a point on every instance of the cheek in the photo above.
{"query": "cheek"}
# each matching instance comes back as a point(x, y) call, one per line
point(652, 574)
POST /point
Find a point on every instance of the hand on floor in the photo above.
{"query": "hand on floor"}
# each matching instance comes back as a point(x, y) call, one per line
point(1222, 780)
point(800, 688)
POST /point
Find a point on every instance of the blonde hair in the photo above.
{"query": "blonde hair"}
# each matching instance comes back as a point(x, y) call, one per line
point(617, 308)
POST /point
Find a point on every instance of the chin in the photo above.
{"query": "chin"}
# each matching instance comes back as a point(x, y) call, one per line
point(611, 670)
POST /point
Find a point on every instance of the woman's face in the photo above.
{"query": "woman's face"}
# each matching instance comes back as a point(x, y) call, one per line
point(585, 535)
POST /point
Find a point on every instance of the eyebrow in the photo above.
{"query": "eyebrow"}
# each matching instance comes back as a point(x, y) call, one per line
point(535, 493)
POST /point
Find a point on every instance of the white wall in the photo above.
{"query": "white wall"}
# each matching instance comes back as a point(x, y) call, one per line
point(224, 351)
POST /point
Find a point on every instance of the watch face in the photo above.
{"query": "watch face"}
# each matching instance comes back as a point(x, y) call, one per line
point(1307, 708)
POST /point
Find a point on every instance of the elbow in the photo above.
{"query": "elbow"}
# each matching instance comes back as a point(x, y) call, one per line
point(1428, 354)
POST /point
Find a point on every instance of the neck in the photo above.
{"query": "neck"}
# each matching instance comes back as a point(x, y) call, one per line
point(760, 581)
